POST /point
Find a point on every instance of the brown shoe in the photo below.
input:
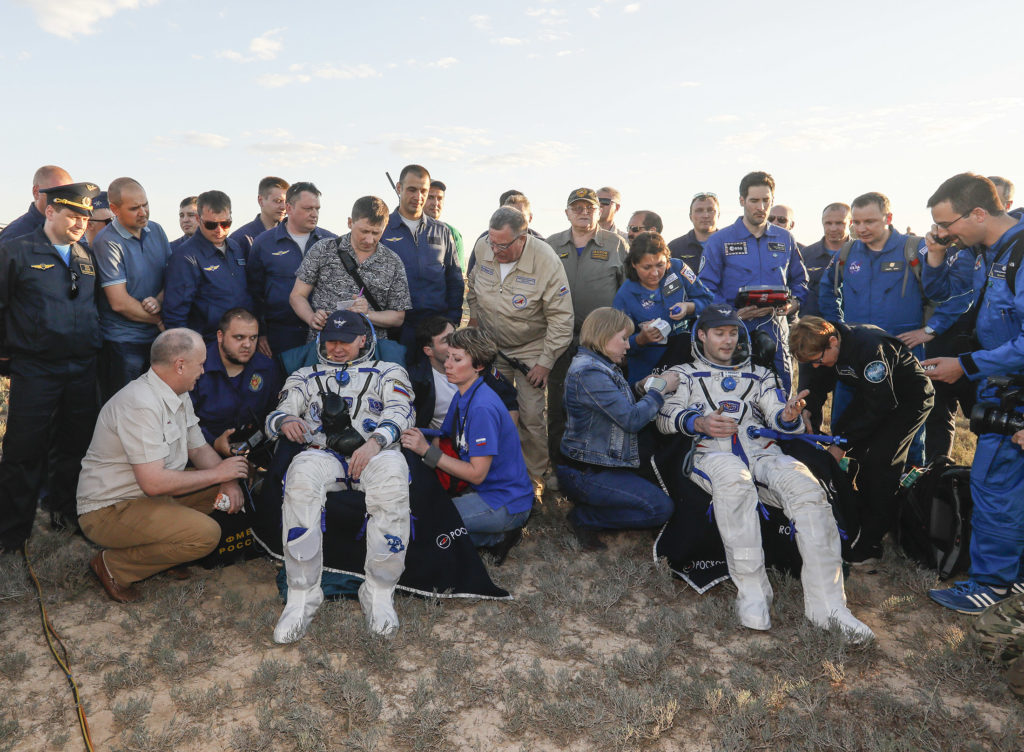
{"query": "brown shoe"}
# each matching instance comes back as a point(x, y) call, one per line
point(180, 572)
point(116, 592)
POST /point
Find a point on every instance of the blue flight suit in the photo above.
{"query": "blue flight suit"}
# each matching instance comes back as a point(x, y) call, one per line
point(273, 261)
point(734, 258)
point(202, 283)
point(997, 473)
point(222, 402)
point(432, 268)
point(176, 244)
point(28, 222)
point(678, 285)
point(50, 330)
point(246, 235)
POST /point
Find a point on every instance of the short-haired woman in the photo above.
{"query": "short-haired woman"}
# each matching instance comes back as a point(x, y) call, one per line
point(490, 457)
point(600, 449)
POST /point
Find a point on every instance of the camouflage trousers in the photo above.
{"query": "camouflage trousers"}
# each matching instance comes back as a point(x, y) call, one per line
point(1000, 633)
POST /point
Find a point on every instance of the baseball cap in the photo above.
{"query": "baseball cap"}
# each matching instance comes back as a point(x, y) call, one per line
point(718, 314)
point(582, 194)
point(343, 326)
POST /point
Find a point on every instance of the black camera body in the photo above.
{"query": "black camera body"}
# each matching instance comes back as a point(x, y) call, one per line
point(337, 424)
point(1006, 416)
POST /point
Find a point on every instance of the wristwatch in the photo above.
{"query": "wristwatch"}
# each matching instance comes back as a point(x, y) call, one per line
point(929, 331)
point(381, 441)
point(655, 382)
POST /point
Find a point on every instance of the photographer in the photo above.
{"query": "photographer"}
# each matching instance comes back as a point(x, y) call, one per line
point(239, 385)
point(966, 210)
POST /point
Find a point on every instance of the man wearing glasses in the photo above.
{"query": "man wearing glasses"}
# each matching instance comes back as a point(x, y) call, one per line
point(49, 337)
point(131, 254)
point(593, 261)
point(704, 216)
point(642, 221)
point(611, 201)
point(519, 295)
point(206, 276)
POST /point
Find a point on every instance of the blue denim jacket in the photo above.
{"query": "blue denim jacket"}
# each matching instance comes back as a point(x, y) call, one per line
point(602, 418)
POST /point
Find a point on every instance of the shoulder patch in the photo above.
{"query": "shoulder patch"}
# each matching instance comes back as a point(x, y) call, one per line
point(688, 273)
point(876, 371)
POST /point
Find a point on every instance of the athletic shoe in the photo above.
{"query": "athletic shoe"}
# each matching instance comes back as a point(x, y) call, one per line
point(1017, 588)
point(967, 597)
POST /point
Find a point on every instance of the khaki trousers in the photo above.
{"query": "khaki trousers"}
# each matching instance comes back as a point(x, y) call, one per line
point(153, 533)
point(533, 427)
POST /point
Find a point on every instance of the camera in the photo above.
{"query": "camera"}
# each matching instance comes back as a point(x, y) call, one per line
point(1006, 416)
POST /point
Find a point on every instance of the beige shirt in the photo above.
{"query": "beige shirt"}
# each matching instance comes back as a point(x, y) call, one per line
point(532, 304)
point(144, 422)
point(594, 275)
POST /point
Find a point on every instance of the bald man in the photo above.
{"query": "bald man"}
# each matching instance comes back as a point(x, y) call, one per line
point(47, 176)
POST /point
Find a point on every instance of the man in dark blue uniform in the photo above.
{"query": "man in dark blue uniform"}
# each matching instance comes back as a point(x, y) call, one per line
point(967, 209)
point(206, 275)
point(49, 337)
point(188, 220)
point(754, 252)
point(273, 261)
point(47, 176)
point(271, 198)
point(239, 386)
point(427, 248)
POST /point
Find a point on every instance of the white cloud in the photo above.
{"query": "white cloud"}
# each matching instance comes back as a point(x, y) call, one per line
point(277, 80)
point(265, 46)
point(481, 22)
point(70, 19)
point(631, 8)
point(430, 149)
point(346, 71)
point(234, 55)
point(193, 138)
point(444, 62)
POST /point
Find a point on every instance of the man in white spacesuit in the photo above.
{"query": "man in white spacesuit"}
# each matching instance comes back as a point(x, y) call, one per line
point(722, 401)
point(350, 410)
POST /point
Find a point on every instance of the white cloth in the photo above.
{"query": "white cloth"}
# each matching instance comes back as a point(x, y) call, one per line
point(444, 390)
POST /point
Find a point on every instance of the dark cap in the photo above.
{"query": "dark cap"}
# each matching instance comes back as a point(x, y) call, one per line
point(582, 194)
point(718, 314)
point(101, 201)
point(75, 196)
point(343, 326)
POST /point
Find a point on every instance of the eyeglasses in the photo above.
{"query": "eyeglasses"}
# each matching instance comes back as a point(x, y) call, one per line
point(212, 224)
point(604, 201)
point(106, 221)
point(950, 223)
point(820, 360)
point(704, 195)
point(585, 209)
point(502, 247)
point(73, 292)
point(774, 218)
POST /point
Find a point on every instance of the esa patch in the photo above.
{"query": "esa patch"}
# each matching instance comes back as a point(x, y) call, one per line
point(255, 383)
point(854, 267)
point(734, 249)
point(519, 301)
point(777, 247)
point(876, 371)
point(729, 406)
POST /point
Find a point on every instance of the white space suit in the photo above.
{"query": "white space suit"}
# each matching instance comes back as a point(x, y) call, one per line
point(737, 469)
point(379, 398)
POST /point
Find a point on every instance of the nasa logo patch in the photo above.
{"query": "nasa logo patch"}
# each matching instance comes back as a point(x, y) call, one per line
point(854, 267)
point(876, 371)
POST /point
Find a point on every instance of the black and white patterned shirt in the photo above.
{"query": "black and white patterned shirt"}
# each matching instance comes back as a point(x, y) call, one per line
point(383, 273)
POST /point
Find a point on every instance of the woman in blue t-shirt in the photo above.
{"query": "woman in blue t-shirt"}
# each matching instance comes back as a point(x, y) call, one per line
point(490, 457)
point(658, 287)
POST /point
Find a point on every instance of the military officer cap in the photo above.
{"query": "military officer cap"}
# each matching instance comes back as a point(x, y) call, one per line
point(75, 196)
point(582, 194)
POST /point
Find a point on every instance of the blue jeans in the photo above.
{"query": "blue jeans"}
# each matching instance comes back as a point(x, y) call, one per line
point(121, 363)
point(613, 499)
point(487, 526)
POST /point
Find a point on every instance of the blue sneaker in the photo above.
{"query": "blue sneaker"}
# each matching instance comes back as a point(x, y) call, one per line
point(967, 597)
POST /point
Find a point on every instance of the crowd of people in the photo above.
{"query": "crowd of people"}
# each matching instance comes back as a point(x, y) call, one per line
point(136, 363)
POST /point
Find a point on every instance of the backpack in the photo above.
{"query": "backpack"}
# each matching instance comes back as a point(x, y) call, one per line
point(912, 262)
point(934, 526)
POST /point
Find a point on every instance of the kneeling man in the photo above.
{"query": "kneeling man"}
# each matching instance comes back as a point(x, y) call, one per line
point(722, 400)
point(350, 410)
point(135, 497)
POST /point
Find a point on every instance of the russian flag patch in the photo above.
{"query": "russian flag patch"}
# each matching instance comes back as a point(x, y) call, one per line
point(401, 390)
point(562, 291)
point(481, 442)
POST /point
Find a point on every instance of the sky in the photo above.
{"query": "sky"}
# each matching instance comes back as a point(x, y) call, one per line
point(658, 99)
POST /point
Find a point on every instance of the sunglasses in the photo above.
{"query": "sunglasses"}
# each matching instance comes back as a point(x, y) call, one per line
point(773, 218)
point(212, 224)
point(702, 196)
point(106, 221)
point(73, 291)
point(637, 228)
point(604, 201)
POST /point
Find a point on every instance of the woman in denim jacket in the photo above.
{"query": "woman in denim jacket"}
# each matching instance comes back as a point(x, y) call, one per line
point(600, 452)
